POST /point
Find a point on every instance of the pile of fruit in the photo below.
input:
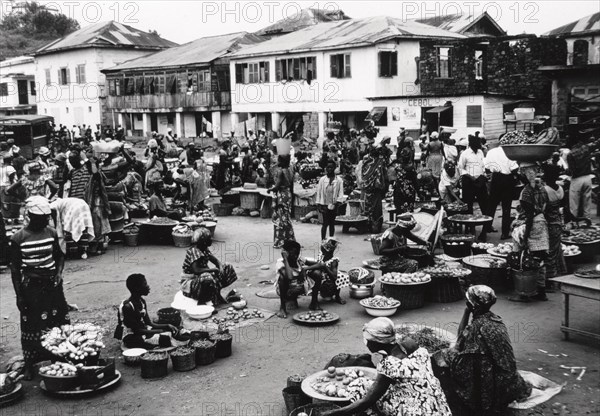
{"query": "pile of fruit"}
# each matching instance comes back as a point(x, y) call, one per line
point(515, 137)
point(457, 206)
point(182, 351)
point(405, 278)
point(201, 216)
point(59, 370)
point(582, 235)
point(570, 250)
point(380, 302)
point(74, 342)
point(233, 317)
point(162, 221)
point(504, 249)
point(425, 337)
point(483, 246)
point(546, 136)
point(443, 270)
point(334, 384)
point(497, 263)
point(133, 229)
point(468, 217)
point(183, 230)
point(316, 316)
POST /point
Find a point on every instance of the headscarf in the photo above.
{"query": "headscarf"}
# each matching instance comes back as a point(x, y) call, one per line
point(434, 135)
point(481, 296)
point(37, 205)
point(201, 235)
point(152, 144)
point(380, 330)
point(406, 222)
point(330, 244)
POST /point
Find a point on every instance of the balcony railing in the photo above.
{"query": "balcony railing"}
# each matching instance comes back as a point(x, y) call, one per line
point(202, 101)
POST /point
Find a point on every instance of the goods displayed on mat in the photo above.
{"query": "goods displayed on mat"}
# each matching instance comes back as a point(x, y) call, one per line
point(336, 381)
point(457, 206)
point(315, 316)
point(360, 276)
point(483, 246)
point(380, 302)
point(405, 278)
point(74, 342)
point(59, 370)
point(570, 250)
point(502, 249)
point(162, 221)
point(582, 235)
point(442, 270)
point(424, 337)
point(235, 316)
point(468, 217)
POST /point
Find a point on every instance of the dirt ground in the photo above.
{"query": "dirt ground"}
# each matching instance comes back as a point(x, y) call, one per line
point(250, 381)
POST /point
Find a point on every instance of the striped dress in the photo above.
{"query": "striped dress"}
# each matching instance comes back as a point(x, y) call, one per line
point(34, 253)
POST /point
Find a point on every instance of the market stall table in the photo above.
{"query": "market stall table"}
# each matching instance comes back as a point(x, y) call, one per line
point(577, 286)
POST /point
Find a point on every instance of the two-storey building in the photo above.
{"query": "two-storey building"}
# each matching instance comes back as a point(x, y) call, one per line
point(68, 70)
point(185, 88)
point(17, 86)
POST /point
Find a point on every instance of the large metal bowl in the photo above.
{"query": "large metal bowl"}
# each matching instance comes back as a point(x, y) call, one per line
point(529, 152)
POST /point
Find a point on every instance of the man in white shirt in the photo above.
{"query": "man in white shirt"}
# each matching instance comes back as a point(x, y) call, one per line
point(502, 186)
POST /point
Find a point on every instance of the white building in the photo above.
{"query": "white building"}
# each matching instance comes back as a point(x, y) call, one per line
point(17, 86)
point(72, 88)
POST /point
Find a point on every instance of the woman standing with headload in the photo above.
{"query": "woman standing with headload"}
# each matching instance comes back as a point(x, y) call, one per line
point(36, 269)
point(282, 203)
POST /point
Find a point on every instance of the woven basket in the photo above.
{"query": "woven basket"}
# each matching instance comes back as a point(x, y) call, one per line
point(444, 290)
point(223, 210)
point(169, 316)
point(185, 362)
point(154, 368)
point(182, 240)
point(525, 282)
point(496, 278)
point(250, 200)
point(457, 249)
point(205, 356)
point(223, 345)
point(410, 296)
point(131, 240)
point(294, 397)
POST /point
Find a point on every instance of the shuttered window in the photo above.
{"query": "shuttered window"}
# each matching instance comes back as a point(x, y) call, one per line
point(252, 73)
point(444, 65)
point(474, 116)
point(388, 63)
point(296, 69)
point(340, 65)
point(80, 74)
point(64, 77)
point(48, 79)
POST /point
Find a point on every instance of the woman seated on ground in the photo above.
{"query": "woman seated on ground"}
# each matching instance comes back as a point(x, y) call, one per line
point(405, 383)
point(393, 243)
point(138, 330)
point(327, 268)
point(156, 204)
point(199, 281)
point(293, 278)
point(479, 374)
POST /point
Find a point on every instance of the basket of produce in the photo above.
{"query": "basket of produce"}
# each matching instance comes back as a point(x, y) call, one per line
point(205, 351)
point(223, 343)
point(361, 276)
point(154, 364)
point(183, 358)
point(314, 409)
point(380, 306)
point(408, 288)
point(445, 283)
point(170, 316)
point(432, 339)
point(501, 250)
point(223, 210)
point(210, 226)
point(457, 245)
point(182, 235)
point(481, 248)
point(60, 377)
point(587, 239)
point(486, 270)
point(131, 235)
point(79, 343)
point(132, 356)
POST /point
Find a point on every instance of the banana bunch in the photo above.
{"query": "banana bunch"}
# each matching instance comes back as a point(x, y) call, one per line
point(74, 342)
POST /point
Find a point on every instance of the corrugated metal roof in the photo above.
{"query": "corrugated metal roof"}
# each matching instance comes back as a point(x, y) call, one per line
point(18, 60)
point(585, 24)
point(198, 52)
point(107, 34)
point(346, 33)
point(459, 23)
point(302, 19)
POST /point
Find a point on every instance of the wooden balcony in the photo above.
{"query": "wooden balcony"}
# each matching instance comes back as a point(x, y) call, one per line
point(196, 101)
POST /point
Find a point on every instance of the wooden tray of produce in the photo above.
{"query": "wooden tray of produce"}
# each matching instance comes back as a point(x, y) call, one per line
point(79, 391)
point(321, 318)
point(312, 383)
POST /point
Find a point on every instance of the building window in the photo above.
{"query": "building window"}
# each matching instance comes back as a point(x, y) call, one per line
point(580, 52)
point(252, 73)
point(48, 79)
point(444, 69)
point(388, 63)
point(149, 87)
point(67, 110)
point(474, 116)
point(32, 87)
point(64, 78)
point(170, 119)
point(296, 69)
point(112, 87)
point(586, 93)
point(340, 65)
point(160, 83)
point(89, 109)
point(204, 81)
point(139, 117)
point(4, 89)
point(80, 73)
point(478, 64)
point(139, 85)
point(192, 84)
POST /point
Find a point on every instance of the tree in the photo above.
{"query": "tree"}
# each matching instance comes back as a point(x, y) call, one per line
point(153, 32)
point(30, 27)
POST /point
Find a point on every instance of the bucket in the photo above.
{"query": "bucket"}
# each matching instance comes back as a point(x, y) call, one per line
point(525, 282)
point(284, 146)
point(131, 240)
point(294, 398)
